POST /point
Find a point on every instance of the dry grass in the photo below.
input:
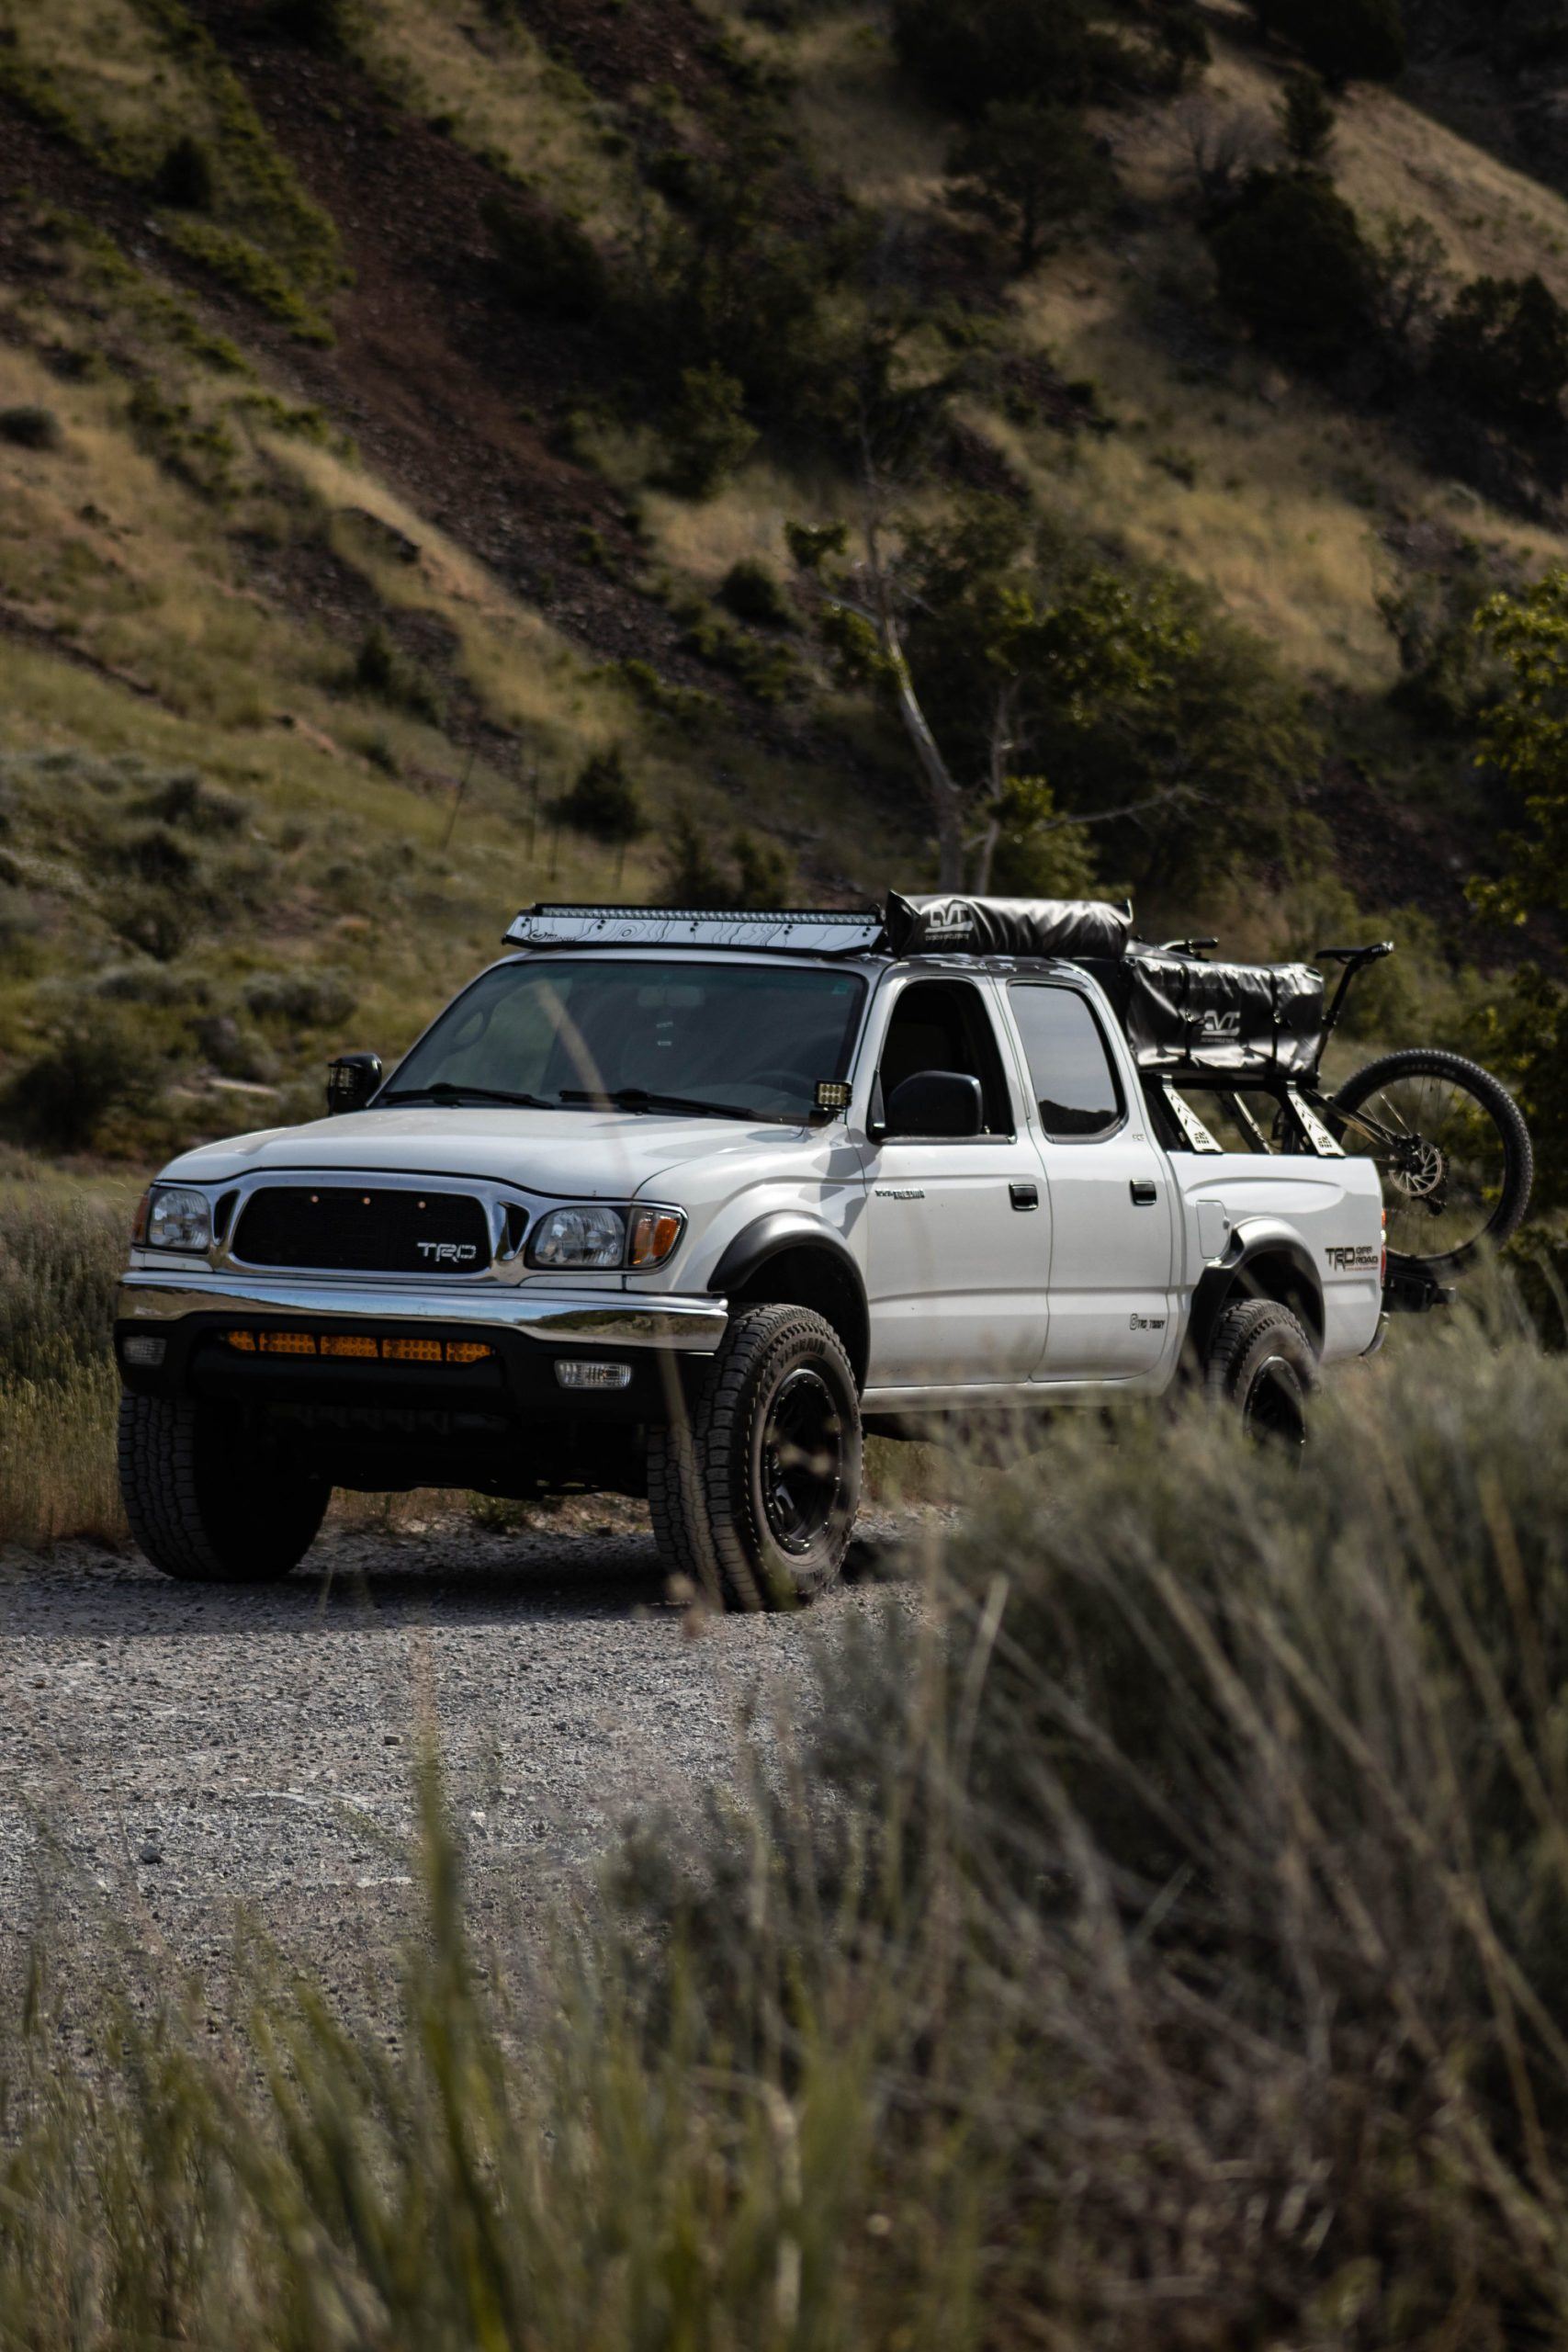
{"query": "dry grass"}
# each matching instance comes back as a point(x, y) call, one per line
point(1155, 1938)
point(505, 98)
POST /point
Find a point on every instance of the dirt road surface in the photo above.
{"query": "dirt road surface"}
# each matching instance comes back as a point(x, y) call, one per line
point(170, 1753)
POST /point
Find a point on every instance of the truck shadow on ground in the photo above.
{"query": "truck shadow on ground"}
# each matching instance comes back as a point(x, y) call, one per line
point(364, 1580)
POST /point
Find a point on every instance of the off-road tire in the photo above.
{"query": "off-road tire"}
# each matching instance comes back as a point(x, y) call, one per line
point(713, 1483)
point(1518, 1156)
point(207, 1500)
point(1260, 1364)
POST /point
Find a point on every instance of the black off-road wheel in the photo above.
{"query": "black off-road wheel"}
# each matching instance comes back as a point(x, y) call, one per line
point(755, 1497)
point(209, 1498)
point(1452, 1150)
point(1261, 1365)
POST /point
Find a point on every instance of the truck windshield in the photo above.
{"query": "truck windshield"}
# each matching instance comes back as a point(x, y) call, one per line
point(748, 1040)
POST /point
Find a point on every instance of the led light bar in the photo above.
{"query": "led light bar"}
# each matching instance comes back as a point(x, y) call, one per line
point(357, 1346)
point(792, 930)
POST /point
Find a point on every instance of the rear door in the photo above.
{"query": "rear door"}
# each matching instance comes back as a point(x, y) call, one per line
point(958, 1241)
point(1113, 1200)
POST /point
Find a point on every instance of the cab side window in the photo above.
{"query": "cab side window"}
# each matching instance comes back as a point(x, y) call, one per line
point(946, 1026)
point(1070, 1067)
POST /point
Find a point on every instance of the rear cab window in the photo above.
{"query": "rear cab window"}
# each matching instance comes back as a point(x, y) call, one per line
point(1074, 1081)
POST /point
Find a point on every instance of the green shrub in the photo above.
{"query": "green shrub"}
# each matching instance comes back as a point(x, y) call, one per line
point(753, 593)
point(99, 1064)
point(327, 26)
point(1306, 118)
point(548, 263)
point(30, 428)
point(810, 544)
point(603, 802)
point(764, 874)
point(965, 56)
point(707, 431)
point(1502, 350)
point(186, 178)
point(1345, 40)
point(187, 802)
point(382, 669)
point(690, 873)
point(1294, 263)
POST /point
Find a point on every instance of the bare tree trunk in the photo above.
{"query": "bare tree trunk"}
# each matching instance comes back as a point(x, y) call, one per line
point(985, 844)
point(946, 797)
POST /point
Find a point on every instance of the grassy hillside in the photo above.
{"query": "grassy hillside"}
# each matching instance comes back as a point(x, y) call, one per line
point(403, 406)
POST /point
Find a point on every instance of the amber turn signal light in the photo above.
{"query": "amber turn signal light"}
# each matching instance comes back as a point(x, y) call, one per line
point(653, 1235)
point(359, 1346)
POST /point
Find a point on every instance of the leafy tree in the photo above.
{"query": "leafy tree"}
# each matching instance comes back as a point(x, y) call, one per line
point(984, 652)
point(1346, 41)
point(965, 55)
point(1040, 853)
point(1502, 351)
point(603, 801)
point(1525, 737)
point(1294, 263)
point(1306, 118)
point(728, 286)
point(1026, 166)
point(706, 431)
point(1412, 279)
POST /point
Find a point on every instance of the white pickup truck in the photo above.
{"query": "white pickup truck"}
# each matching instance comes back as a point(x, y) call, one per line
point(680, 1205)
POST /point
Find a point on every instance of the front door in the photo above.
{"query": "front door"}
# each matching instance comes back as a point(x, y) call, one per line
point(958, 1229)
point(1112, 1214)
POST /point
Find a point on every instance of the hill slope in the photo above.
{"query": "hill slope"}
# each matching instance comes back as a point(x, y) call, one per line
point(356, 404)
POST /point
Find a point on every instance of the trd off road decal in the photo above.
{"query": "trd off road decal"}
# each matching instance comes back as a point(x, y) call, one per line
point(1345, 1257)
point(1146, 1322)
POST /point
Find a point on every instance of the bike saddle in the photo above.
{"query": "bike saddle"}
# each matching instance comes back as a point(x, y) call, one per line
point(1356, 955)
point(1186, 946)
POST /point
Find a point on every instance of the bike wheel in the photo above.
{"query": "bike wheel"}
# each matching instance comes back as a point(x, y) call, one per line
point(1451, 1147)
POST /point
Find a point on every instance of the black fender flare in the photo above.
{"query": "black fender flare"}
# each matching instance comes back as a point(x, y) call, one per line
point(1217, 1285)
point(784, 1232)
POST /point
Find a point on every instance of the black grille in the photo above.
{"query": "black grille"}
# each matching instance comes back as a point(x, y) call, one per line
point(356, 1231)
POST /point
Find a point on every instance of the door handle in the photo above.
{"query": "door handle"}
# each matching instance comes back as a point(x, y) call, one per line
point(1024, 1196)
point(1144, 1192)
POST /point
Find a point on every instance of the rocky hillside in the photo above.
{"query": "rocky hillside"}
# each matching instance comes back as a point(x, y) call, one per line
point(457, 450)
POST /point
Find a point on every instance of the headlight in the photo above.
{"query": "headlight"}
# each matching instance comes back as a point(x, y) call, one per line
point(178, 1219)
point(591, 1235)
point(580, 1236)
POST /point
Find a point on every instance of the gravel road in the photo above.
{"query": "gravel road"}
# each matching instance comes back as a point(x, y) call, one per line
point(169, 1753)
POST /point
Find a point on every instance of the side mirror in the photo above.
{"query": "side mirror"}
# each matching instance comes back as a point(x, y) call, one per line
point(936, 1103)
point(351, 1080)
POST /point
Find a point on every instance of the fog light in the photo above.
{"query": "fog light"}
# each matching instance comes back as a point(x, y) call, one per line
point(590, 1372)
point(142, 1347)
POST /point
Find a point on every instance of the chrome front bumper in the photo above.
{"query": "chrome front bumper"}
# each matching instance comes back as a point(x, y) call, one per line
point(596, 1318)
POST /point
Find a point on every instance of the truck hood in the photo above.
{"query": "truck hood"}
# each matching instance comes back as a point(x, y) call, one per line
point(587, 1155)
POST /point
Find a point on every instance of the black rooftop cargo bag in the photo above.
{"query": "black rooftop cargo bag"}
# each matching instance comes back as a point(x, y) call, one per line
point(1072, 927)
point(1234, 1020)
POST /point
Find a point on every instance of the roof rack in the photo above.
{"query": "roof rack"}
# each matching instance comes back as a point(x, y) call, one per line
point(791, 930)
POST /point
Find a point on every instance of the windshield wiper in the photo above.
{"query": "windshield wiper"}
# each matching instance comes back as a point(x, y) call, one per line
point(637, 1098)
point(444, 1091)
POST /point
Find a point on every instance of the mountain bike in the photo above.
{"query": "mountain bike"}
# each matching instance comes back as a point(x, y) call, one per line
point(1450, 1141)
